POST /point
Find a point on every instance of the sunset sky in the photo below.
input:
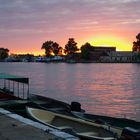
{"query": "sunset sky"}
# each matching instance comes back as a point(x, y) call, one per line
point(26, 24)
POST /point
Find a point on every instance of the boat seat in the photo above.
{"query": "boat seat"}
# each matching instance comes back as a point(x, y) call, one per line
point(65, 127)
point(88, 133)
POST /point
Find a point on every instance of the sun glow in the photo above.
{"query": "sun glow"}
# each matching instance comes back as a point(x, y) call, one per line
point(36, 53)
point(111, 41)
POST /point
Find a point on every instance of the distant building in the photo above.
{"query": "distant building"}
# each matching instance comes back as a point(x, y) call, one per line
point(57, 58)
point(98, 51)
point(49, 59)
point(120, 56)
point(104, 49)
point(11, 59)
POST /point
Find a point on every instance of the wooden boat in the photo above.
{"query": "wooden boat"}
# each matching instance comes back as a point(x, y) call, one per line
point(84, 129)
point(55, 105)
point(112, 121)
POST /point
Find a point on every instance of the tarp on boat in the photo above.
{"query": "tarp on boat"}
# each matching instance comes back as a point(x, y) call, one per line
point(19, 79)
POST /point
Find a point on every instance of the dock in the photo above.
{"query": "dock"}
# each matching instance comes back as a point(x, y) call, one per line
point(15, 127)
point(11, 129)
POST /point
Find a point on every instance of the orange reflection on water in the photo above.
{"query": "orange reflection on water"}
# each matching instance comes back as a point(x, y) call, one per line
point(111, 94)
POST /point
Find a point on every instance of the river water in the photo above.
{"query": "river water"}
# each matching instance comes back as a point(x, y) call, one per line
point(104, 89)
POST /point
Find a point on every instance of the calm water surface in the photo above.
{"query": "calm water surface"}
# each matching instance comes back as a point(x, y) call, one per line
point(105, 89)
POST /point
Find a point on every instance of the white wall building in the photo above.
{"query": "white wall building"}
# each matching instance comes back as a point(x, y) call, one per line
point(119, 56)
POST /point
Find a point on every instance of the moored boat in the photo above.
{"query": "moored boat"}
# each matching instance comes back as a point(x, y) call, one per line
point(84, 129)
point(55, 105)
point(112, 121)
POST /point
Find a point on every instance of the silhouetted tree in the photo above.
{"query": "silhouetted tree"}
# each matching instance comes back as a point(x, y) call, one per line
point(71, 46)
point(48, 48)
point(4, 53)
point(136, 44)
point(85, 51)
point(56, 48)
point(51, 48)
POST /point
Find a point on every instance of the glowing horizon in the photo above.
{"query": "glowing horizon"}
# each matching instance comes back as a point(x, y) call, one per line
point(98, 42)
point(111, 41)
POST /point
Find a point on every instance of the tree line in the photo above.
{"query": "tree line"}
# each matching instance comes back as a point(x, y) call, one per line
point(52, 48)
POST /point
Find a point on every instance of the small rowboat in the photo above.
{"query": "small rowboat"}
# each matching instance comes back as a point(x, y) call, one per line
point(84, 129)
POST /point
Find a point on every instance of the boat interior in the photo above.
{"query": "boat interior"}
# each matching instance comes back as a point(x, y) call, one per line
point(63, 122)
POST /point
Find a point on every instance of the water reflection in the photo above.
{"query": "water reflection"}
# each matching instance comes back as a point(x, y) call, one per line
point(106, 89)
